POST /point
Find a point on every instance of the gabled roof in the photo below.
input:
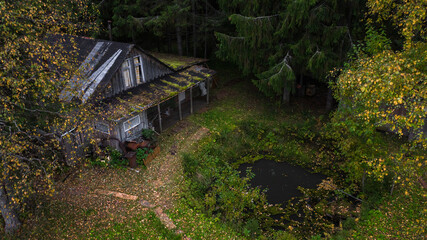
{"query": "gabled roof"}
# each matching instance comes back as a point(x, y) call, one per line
point(98, 59)
point(147, 95)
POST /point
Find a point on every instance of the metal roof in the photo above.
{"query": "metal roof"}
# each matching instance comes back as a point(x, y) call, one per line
point(98, 59)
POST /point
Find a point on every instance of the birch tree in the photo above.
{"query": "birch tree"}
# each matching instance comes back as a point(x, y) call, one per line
point(387, 89)
point(32, 120)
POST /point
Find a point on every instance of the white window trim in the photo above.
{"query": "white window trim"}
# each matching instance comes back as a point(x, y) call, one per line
point(142, 67)
point(128, 68)
point(129, 120)
point(101, 123)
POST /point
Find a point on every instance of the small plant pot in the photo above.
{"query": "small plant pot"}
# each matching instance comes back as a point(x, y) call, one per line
point(144, 144)
point(131, 156)
point(132, 145)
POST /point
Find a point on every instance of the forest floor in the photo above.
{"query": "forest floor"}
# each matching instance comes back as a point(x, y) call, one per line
point(149, 206)
point(81, 209)
point(122, 203)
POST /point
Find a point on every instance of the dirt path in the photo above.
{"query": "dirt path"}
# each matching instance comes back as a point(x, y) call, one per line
point(106, 195)
point(167, 172)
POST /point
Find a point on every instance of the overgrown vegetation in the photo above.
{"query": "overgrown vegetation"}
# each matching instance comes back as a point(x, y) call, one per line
point(147, 226)
point(372, 148)
point(33, 125)
point(344, 206)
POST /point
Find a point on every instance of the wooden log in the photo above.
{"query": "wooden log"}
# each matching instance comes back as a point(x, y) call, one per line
point(116, 194)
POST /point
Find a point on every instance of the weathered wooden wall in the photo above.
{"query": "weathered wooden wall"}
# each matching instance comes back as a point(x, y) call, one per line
point(120, 133)
point(152, 69)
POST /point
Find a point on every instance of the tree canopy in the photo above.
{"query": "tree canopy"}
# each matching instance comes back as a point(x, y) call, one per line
point(32, 119)
point(295, 38)
point(387, 89)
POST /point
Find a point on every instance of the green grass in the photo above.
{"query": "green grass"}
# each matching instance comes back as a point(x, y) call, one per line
point(242, 123)
point(147, 226)
point(199, 226)
point(399, 216)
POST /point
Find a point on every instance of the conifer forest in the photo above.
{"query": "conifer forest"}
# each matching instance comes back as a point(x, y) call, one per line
point(213, 119)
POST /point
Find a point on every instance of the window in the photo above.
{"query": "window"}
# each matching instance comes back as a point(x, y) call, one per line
point(139, 71)
point(102, 127)
point(127, 76)
point(131, 123)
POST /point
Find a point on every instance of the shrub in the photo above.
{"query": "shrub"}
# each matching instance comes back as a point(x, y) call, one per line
point(116, 158)
point(148, 134)
point(141, 154)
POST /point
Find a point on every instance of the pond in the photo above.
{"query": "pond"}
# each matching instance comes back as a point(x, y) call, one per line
point(281, 179)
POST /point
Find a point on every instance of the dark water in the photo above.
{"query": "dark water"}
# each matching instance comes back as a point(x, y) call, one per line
point(281, 179)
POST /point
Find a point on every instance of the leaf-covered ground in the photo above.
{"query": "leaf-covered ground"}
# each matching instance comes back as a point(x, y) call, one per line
point(78, 211)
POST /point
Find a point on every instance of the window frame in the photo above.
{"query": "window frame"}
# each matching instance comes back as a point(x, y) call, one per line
point(129, 122)
point(102, 123)
point(128, 69)
point(139, 64)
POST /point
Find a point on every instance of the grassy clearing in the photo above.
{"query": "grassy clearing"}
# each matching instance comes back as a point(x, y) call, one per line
point(241, 123)
point(76, 212)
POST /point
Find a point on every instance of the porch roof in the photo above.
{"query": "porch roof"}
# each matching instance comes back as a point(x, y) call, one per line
point(153, 93)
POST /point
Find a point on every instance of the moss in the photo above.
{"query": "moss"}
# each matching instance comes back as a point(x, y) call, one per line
point(177, 62)
point(172, 84)
point(152, 93)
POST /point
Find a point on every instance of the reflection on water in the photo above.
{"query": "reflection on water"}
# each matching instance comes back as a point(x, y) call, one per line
point(281, 179)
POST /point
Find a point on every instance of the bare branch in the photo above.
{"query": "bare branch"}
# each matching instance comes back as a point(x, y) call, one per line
point(32, 110)
point(256, 18)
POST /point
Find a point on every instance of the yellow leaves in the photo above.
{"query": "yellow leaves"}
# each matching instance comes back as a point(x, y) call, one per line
point(327, 184)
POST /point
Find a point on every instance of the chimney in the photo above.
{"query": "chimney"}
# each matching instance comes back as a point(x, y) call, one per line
point(109, 30)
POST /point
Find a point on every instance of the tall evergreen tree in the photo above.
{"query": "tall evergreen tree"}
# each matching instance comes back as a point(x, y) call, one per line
point(295, 38)
point(157, 24)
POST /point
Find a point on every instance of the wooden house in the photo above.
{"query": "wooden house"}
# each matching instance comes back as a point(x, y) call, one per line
point(125, 82)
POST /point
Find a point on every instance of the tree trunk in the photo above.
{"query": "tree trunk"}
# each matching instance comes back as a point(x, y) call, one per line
point(169, 43)
point(186, 42)
point(206, 29)
point(329, 100)
point(300, 90)
point(193, 7)
point(179, 40)
point(11, 220)
point(286, 96)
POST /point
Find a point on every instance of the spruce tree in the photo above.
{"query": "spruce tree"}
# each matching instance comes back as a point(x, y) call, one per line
point(293, 39)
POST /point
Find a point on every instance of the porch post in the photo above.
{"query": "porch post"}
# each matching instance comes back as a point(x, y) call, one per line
point(207, 92)
point(160, 117)
point(191, 100)
point(179, 108)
